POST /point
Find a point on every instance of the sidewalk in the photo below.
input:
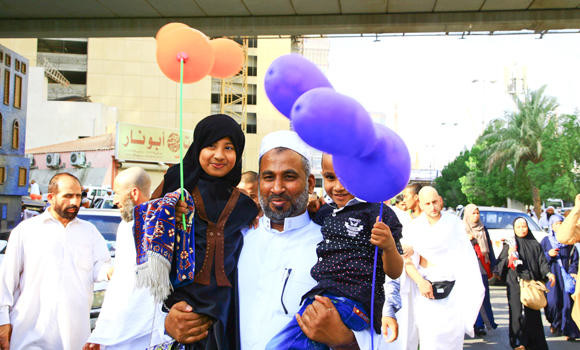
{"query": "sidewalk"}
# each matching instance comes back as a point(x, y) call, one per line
point(498, 338)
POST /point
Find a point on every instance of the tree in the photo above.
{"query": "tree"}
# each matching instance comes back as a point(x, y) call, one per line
point(448, 184)
point(519, 137)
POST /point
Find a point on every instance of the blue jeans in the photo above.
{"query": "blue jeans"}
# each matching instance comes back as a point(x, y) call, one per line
point(291, 337)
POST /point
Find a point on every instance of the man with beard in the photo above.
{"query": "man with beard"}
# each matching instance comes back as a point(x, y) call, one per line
point(275, 262)
point(129, 318)
point(46, 278)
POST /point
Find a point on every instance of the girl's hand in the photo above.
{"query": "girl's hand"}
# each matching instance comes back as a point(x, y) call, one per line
point(553, 252)
point(382, 237)
point(552, 279)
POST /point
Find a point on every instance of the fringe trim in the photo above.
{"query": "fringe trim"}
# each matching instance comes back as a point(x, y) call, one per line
point(154, 275)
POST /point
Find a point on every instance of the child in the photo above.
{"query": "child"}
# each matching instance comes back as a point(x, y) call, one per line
point(345, 261)
point(212, 170)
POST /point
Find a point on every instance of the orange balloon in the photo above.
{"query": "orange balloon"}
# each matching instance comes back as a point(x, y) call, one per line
point(168, 28)
point(229, 58)
point(192, 44)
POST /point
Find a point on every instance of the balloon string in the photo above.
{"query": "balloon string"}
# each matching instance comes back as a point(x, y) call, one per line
point(181, 138)
point(373, 286)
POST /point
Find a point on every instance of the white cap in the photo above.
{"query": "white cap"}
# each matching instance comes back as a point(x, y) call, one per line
point(287, 139)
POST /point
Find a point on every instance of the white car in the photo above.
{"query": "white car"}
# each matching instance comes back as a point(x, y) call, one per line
point(499, 224)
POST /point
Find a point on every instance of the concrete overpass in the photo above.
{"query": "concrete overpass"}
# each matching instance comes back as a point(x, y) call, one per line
point(126, 18)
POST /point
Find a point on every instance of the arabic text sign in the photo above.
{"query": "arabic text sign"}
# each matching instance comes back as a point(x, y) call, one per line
point(150, 144)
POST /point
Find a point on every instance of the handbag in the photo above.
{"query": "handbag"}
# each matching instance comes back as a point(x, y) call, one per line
point(442, 289)
point(569, 281)
point(533, 294)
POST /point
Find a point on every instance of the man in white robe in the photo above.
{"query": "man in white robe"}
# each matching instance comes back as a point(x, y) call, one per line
point(47, 275)
point(130, 318)
point(276, 259)
point(445, 254)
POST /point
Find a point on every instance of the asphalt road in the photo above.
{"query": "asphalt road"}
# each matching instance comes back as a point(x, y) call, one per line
point(498, 338)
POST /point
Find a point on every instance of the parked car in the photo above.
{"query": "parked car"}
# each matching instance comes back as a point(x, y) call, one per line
point(499, 224)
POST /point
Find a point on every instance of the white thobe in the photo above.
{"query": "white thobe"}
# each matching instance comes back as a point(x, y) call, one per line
point(408, 338)
point(46, 282)
point(273, 275)
point(129, 318)
point(443, 323)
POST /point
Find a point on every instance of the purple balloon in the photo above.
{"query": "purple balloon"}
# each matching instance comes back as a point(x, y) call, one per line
point(290, 76)
point(333, 123)
point(382, 174)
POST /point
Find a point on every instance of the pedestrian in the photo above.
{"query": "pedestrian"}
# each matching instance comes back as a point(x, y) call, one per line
point(479, 238)
point(249, 183)
point(447, 276)
point(278, 256)
point(523, 258)
point(544, 221)
point(344, 272)
point(34, 190)
point(129, 317)
point(563, 259)
point(212, 169)
point(569, 233)
point(47, 275)
point(408, 337)
point(400, 202)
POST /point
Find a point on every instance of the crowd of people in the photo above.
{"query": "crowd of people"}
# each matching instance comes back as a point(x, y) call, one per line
point(258, 261)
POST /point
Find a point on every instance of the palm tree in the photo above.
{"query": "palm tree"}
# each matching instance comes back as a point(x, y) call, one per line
point(516, 139)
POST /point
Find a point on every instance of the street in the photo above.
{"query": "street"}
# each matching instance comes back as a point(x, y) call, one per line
point(498, 338)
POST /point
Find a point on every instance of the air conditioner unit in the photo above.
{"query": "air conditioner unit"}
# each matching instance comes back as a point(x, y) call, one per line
point(78, 159)
point(32, 161)
point(53, 160)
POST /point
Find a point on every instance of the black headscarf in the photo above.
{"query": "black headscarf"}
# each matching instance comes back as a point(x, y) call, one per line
point(534, 264)
point(208, 130)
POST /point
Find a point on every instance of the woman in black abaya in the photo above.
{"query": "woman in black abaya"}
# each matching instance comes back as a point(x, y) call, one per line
point(524, 259)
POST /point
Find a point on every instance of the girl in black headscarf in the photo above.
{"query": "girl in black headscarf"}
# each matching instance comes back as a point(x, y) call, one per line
point(212, 169)
point(526, 330)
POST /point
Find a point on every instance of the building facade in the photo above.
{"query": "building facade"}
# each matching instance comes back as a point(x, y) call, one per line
point(14, 166)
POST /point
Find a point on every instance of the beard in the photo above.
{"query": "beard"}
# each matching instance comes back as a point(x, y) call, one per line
point(297, 206)
point(126, 210)
point(64, 212)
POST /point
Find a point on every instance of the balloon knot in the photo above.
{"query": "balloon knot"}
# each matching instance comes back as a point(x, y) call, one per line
point(182, 56)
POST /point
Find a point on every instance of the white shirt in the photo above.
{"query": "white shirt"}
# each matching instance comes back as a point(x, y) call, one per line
point(46, 282)
point(273, 274)
point(128, 314)
point(34, 188)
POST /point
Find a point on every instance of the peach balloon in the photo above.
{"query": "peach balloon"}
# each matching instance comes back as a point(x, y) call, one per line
point(192, 44)
point(168, 28)
point(229, 58)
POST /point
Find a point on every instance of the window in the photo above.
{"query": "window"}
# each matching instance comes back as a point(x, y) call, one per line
point(23, 67)
point(17, 65)
point(1, 56)
point(7, 60)
point(215, 98)
point(17, 91)
point(1, 128)
point(7, 87)
point(251, 123)
point(21, 177)
point(2, 175)
point(15, 134)
point(252, 66)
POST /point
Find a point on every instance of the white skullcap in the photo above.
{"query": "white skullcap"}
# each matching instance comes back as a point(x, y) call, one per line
point(287, 139)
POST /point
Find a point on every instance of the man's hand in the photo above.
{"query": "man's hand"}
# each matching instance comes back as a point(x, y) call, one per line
point(91, 346)
point(5, 333)
point(381, 236)
point(185, 326)
point(426, 289)
point(553, 252)
point(322, 323)
point(390, 323)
